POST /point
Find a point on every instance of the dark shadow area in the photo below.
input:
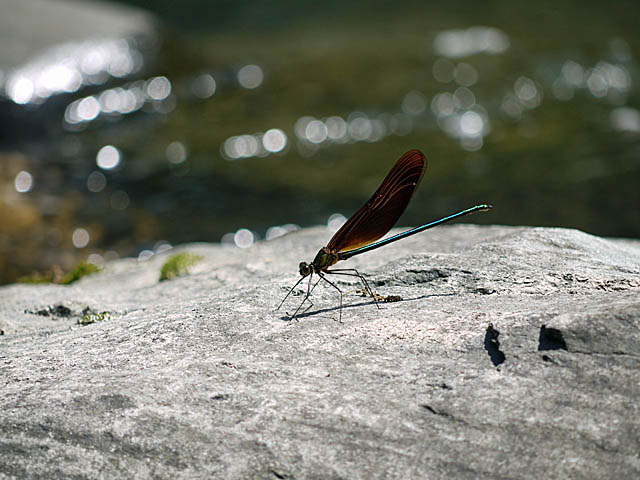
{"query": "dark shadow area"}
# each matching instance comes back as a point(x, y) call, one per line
point(289, 318)
point(551, 339)
point(492, 346)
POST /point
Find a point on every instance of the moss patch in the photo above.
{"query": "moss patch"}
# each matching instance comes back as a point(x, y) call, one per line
point(57, 276)
point(178, 265)
point(82, 269)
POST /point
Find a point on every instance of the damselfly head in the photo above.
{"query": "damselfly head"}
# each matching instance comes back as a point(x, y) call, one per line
point(305, 269)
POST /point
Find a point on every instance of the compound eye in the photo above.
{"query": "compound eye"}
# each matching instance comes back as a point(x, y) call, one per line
point(305, 269)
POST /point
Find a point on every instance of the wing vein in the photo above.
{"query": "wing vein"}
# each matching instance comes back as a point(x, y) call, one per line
point(376, 217)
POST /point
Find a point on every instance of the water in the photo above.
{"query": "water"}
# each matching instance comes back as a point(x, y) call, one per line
point(236, 122)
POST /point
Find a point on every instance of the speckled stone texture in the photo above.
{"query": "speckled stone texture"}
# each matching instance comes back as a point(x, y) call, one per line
point(515, 353)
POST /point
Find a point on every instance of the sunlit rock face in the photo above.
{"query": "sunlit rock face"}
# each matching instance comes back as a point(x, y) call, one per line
point(510, 350)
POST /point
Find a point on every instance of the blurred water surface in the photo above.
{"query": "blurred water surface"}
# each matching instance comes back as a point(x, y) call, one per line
point(238, 121)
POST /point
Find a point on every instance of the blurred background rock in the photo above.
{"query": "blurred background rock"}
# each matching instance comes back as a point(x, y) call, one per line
point(126, 127)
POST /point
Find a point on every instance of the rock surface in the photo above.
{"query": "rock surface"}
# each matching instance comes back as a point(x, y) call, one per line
point(515, 353)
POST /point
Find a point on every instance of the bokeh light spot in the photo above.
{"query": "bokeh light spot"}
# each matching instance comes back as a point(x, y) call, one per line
point(158, 88)
point(336, 128)
point(359, 126)
point(413, 103)
point(626, 119)
point(96, 259)
point(21, 90)
point(108, 157)
point(203, 86)
point(279, 230)
point(300, 127)
point(573, 73)
point(465, 74)
point(473, 40)
point(275, 232)
point(316, 131)
point(23, 182)
point(96, 182)
point(527, 92)
point(80, 238)
point(162, 246)
point(246, 146)
point(243, 238)
point(511, 106)
point(176, 152)
point(68, 66)
point(250, 76)
point(274, 140)
point(145, 255)
point(88, 109)
point(336, 220)
point(464, 98)
point(443, 104)
point(471, 124)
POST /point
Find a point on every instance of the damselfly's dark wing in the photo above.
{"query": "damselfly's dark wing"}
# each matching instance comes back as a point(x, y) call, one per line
point(381, 212)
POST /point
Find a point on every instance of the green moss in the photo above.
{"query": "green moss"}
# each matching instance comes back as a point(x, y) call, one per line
point(81, 270)
point(92, 317)
point(57, 276)
point(178, 265)
point(37, 277)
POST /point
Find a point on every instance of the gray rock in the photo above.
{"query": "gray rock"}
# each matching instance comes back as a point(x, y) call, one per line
point(515, 353)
